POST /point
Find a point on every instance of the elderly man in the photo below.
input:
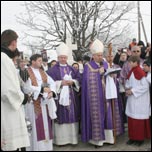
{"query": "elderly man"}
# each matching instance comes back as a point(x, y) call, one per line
point(93, 100)
point(67, 81)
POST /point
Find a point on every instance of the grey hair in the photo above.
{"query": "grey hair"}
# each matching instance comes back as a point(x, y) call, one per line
point(135, 48)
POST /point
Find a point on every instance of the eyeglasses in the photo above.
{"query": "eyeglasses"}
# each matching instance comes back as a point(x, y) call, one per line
point(136, 51)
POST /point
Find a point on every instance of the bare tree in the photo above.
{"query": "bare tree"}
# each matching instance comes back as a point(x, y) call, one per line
point(83, 20)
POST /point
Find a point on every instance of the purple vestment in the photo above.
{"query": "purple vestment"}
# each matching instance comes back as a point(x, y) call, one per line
point(40, 127)
point(118, 110)
point(66, 114)
point(92, 104)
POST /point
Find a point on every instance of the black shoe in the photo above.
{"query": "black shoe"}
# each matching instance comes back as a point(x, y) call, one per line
point(138, 142)
point(96, 146)
point(130, 142)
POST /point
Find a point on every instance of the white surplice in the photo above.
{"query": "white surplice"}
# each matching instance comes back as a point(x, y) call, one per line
point(44, 145)
point(138, 104)
point(65, 133)
point(13, 127)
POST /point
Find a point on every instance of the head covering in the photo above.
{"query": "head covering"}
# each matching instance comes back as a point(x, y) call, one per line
point(62, 49)
point(96, 47)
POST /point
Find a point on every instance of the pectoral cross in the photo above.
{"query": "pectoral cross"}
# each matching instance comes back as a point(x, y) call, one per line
point(65, 71)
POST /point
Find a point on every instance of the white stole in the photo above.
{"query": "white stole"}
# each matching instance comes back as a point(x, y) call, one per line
point(51, 107)
point(111, 90)
point(65, 92)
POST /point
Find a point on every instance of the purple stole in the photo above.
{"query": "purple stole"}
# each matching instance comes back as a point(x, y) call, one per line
point(119, 126)
point(37, 108)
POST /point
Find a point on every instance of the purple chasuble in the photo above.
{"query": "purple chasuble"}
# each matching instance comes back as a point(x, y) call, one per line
point(66, 114)
point(92, 104)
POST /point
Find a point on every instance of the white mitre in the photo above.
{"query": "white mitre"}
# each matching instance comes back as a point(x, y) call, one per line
point(62, 49)
point(97, 47)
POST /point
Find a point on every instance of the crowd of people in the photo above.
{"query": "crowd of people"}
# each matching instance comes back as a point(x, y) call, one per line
point(53, 103)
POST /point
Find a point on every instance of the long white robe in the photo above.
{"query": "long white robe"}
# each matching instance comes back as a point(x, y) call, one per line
point(66, 133)
point(13, 127)
point(43, 145)
point(138, 104)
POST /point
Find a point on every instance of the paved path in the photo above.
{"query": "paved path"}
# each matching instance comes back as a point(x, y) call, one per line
point(119, 146)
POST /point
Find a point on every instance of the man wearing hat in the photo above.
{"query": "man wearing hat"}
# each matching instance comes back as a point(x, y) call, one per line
point(67, 81)
point(92, 104)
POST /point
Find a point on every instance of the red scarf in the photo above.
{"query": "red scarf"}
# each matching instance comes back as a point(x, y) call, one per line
point(138, 73)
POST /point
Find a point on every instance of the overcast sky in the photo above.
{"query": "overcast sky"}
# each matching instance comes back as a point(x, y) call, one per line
point(9, 10)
